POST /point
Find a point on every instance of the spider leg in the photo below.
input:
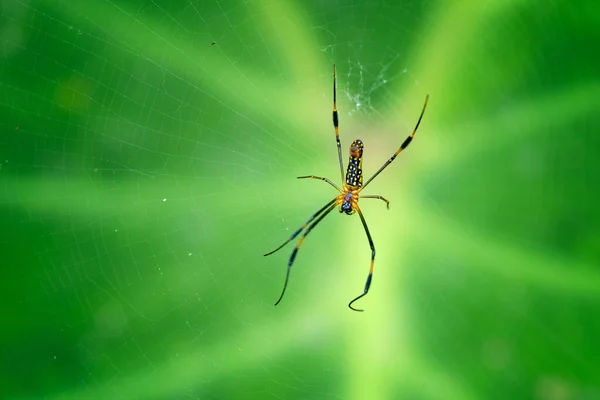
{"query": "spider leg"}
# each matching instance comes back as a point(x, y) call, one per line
point(336, 126)
point(293, 256)
point(387, 203)
point(302, 227)
point(402, 146)
point(370, 277)
point(323, 179)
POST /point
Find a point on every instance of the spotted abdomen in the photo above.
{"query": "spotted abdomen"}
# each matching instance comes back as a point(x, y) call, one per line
point(354, 171)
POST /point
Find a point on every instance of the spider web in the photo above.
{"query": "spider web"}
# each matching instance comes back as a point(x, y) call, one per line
point(148, 159)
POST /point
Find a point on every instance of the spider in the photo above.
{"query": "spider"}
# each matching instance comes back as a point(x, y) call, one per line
point(349, 195)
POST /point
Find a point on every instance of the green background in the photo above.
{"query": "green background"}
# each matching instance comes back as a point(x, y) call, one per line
point(148, 157)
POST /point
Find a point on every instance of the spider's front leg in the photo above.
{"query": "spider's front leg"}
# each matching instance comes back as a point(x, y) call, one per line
point(370, 276)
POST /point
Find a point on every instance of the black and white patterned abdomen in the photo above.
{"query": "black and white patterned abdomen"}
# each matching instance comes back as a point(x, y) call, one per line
point(354, 171)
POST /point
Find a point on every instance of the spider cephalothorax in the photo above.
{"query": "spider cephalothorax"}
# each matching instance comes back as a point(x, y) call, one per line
point(347, 200)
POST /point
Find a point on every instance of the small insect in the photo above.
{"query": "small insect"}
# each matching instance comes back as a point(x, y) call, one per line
point(350, 193)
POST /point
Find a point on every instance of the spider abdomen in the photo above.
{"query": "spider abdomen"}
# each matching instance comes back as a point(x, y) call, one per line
point(354, 170)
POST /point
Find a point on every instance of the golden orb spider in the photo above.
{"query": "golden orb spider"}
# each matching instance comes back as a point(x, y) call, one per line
point(348, 198)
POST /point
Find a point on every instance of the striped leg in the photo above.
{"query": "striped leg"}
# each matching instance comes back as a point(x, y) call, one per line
point(293, 256)
point(301, 228)
point(370, 277)
point(336, 126)
point(402, 146)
